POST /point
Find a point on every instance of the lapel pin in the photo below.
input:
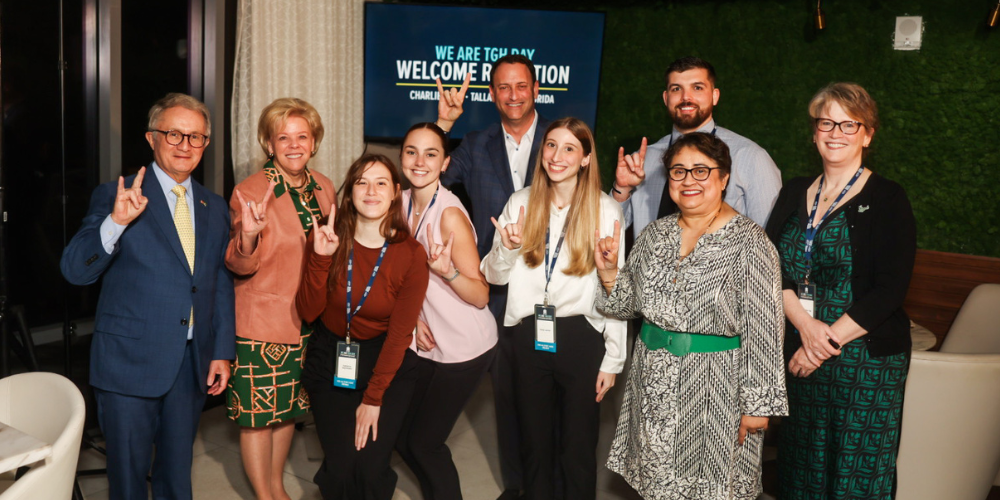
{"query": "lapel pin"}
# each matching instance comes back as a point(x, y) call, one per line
point(861, 208)
point(203, 203)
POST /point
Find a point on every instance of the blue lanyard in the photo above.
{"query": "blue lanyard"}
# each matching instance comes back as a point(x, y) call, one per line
point(549, 269)
point(714, 129)
point(409, 208)
point(371, 281)
point(811, 230)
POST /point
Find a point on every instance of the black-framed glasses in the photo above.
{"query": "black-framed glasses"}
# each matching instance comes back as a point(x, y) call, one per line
point(174, 138)
point(699, 173)
point(848, 127)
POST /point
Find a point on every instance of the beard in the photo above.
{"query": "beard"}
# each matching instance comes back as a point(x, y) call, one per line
point(688, 122)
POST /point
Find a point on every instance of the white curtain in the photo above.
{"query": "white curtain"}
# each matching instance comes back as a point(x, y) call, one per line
point(310, 49)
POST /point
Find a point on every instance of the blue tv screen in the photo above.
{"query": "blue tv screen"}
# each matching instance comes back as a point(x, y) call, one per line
point(408, 46)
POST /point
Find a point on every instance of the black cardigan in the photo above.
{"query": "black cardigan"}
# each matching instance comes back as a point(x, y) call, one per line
point(883, 247)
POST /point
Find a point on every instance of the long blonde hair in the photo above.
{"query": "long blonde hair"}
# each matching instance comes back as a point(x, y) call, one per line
point(584, 212)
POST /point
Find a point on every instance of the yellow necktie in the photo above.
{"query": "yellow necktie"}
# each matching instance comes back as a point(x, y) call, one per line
point(182, 220)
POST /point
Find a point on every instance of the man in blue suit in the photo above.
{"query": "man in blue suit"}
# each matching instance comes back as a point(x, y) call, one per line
point(164, 330)
point(492, 164)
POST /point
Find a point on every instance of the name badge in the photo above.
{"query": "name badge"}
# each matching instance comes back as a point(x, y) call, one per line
point(545, 328)
point(346, 372)
point(807, 297)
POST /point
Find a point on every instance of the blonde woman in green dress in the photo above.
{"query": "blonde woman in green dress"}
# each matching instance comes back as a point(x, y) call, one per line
point(273, 212)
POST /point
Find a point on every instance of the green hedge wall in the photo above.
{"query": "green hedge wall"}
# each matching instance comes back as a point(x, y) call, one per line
point(940, 132)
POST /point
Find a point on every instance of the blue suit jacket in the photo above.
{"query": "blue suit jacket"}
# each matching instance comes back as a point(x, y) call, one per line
point(480, 164)
point(140, 331)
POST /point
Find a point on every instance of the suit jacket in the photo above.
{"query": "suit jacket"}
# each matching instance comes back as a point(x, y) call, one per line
point(268, 279)
point(141, 327)
point(480, 164)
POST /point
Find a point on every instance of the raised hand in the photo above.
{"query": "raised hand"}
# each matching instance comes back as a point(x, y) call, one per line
point(326, 241)
point(630, 173)
point(129, 203)
point(254, 213)
point(439, 256)
point(510, 235)
point(450, 102)
point(606, 249)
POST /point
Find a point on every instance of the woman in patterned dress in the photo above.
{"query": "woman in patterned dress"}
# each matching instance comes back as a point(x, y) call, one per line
point(848, 337)
point(707, 369)
point(273, 212)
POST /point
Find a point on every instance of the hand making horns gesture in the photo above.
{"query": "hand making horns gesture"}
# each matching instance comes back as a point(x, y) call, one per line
point(326, 241)
point(450, 102)
point(606, 257)
point(606, 249)
point(439, 256)
point(630, 173)
point(510, 235)
point(129, 203)
point(254, 213)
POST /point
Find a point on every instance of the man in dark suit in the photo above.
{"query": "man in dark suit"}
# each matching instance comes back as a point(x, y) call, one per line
point(164, 330)
point(492, 164)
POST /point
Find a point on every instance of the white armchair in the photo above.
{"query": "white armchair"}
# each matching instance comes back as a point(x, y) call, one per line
point(976, 329)
point(950, 439)
point(50, 408)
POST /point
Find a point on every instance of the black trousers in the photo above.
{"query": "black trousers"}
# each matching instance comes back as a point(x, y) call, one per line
point(502, 377)
point(441, 393)
point(346, 473)
point(569, 428)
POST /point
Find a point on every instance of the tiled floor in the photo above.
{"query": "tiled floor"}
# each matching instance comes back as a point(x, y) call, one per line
point(218, 471)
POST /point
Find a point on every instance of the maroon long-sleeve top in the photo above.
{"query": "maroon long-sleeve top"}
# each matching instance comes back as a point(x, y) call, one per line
point(392, 306)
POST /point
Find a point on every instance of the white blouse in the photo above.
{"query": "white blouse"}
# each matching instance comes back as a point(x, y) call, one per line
point(571, 295)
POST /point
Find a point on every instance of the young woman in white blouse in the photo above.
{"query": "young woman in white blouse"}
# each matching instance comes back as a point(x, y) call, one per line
point(565, 351)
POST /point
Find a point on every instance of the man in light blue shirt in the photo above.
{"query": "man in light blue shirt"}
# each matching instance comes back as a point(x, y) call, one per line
point(640, 178)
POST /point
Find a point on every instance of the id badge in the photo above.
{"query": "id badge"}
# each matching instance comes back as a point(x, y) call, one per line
point(807, 297)
point(545, 328)
point(346, 373)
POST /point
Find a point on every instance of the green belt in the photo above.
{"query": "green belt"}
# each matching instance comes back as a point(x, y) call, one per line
point(680, 344)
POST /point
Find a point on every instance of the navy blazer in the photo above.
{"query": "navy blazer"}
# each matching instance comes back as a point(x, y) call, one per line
point(140, 331)
point(480, 164)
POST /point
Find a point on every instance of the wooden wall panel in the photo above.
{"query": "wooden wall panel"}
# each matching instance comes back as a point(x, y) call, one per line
point(941, 282)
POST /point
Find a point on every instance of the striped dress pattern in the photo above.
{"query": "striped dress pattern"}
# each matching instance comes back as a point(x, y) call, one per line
point(679, 422)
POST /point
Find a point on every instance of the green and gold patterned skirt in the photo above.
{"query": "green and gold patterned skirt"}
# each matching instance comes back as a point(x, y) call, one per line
point(265, 384)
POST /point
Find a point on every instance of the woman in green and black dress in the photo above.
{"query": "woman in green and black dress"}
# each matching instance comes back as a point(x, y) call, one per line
point(847, 242)
point(273, 212)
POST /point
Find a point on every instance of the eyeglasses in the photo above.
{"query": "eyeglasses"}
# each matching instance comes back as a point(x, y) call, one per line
point(699, 173)
point(174, 138)
point(848, 127)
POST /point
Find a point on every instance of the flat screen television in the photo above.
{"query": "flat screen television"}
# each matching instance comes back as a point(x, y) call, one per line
point(408, 46)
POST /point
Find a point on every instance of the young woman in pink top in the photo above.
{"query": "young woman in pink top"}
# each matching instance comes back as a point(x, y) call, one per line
point(456, 333)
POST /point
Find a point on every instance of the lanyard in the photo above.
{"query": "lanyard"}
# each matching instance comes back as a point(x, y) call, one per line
point(811, 230)
point(371, 281)
point(714, 129)
point(409, 208)
point(549, 269)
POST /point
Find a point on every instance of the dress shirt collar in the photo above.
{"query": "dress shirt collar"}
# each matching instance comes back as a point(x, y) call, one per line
point(529, 135)
point(707, 128)
point(167, 183)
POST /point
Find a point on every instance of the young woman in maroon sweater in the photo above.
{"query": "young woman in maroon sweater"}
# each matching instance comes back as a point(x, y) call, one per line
point(367, 243)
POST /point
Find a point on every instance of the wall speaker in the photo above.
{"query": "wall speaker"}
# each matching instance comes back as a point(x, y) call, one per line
point(909, 31)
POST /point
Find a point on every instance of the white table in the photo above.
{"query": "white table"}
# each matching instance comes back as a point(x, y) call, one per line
point(18, 449)
point(923, 339)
